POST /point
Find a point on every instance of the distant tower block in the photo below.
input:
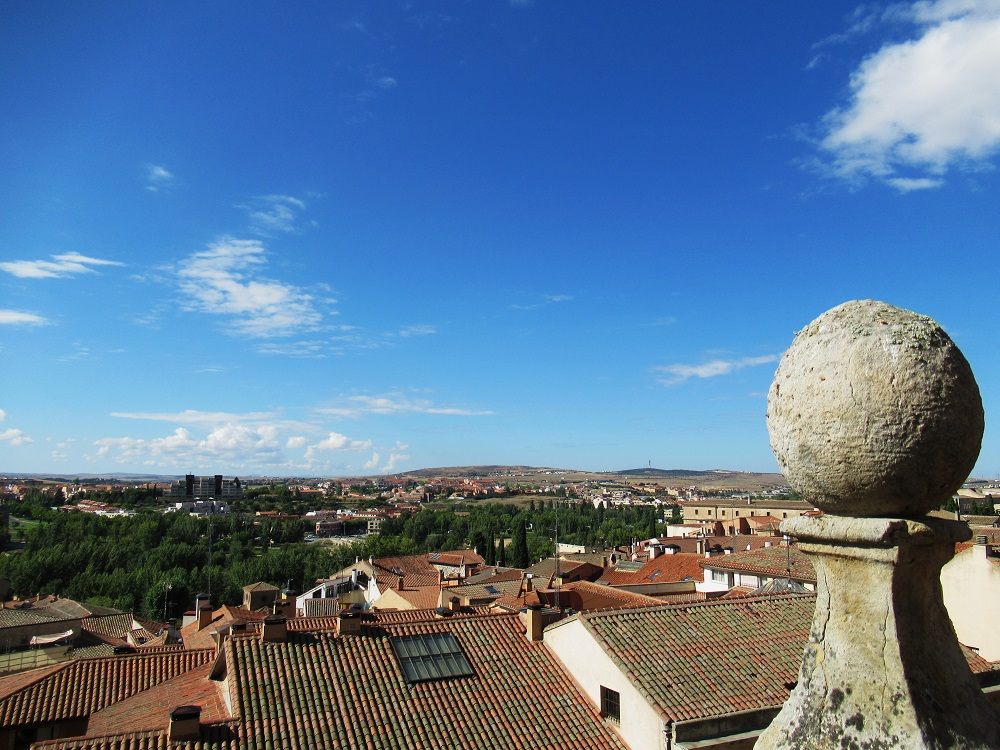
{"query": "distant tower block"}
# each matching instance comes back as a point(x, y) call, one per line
point(875, 417)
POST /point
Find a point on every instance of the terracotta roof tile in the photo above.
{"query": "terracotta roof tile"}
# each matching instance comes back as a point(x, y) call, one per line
point(708, 659)
point(150, 709)
point(82, 687)
point(679, 566)
point(771, 561)
point(295, 695)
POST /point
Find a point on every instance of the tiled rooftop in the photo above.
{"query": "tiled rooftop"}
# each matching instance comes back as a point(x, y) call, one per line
point(692, 661)
point(149, 709)
point(714, 658)
point(770, 561)
point(296, 695)
point(665, 568)
point(79, 688)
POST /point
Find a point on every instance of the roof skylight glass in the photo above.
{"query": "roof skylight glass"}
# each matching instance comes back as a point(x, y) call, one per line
point(433, 656)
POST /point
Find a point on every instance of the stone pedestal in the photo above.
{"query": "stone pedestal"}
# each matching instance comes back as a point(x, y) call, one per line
point(882, 668)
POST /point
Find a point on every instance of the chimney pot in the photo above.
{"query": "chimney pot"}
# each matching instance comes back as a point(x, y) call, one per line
point(454, 604)
point(204, 615)
point(185, 724)
point(349, 623)
point(274, 629)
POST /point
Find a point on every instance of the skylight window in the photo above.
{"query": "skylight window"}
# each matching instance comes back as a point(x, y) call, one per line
point(434, 656)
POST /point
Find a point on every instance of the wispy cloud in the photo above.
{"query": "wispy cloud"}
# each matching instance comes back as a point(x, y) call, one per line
point(20, 318)
point(274, 214)
point(297, 349)
point(158, 178)
point(196, 416)
point(64, 264)
point(679, 373)
point(394, 403)
point(545, 299)
point(417, 330)
point(921, 106)
point(225, 280)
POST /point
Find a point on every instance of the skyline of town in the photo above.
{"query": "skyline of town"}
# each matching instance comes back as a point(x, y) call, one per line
point(365, 239)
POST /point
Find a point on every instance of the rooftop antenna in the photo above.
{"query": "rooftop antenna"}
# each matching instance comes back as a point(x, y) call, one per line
point(210, 558)
point(557, 553)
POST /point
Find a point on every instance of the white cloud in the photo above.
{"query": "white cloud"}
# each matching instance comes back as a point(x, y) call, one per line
point(546, 299)
point(336, 442)
point(14, 437)
point(922, 106)
point(19, 318)
point(222, 280)
point(3, 415)
point(372, 462)
point(195, 416)
point(417, 330)
point(396, 457)
point(64, 264)
point(296, 441)
point(386, 82)
point(297, 349)
point(158, 178)
point(237, 445)
point(909, 184)
point(356, 406)
point(674, 374)
point(274, 214)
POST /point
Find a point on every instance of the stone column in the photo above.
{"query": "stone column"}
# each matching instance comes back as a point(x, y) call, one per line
point(875, 417)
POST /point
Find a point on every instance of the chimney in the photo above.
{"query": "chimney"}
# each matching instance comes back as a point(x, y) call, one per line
point(699, 546)
point(204, 615)
point(399, 583)
point(185, 724)
point(454, 604)
point(532, 619)
point(654, 550)
point(982, 546)
point(274, 629)
point(767, 544)
point(349, 623)
point(604, 561)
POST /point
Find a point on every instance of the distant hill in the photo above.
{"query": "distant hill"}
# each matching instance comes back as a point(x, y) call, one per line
point(647, 472)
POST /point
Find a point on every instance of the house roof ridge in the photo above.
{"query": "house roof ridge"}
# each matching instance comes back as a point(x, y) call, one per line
point(707, 603)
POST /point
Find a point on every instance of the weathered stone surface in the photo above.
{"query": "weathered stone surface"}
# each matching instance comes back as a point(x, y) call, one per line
point(882, 668)
point(874, 412)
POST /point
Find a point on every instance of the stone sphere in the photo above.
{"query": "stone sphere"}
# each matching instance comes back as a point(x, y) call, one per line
point(874, 412)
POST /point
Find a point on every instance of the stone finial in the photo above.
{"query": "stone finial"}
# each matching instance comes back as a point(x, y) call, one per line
point(874, 412)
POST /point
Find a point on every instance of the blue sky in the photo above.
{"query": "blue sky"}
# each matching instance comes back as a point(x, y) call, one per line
point(332, 238)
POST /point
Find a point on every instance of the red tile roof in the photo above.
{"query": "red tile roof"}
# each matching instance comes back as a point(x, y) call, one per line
point(150, 708)
point(771, 561)
point(81, 687)
point(295, 695)
point(697, 660)
point(679, 566)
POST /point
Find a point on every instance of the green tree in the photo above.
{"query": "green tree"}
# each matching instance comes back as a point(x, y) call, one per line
point(519, 546)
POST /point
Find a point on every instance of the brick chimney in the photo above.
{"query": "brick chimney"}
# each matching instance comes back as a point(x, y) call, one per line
point(455, 604)
point(399, 583)
point(204, 615)
point(274, 629)
point(349, 623)
point(185, 724)
point(532, 618)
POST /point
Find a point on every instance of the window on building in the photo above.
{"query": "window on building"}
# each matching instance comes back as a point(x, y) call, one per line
point(611, 704)
point(434, 656)
point(720, 577)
